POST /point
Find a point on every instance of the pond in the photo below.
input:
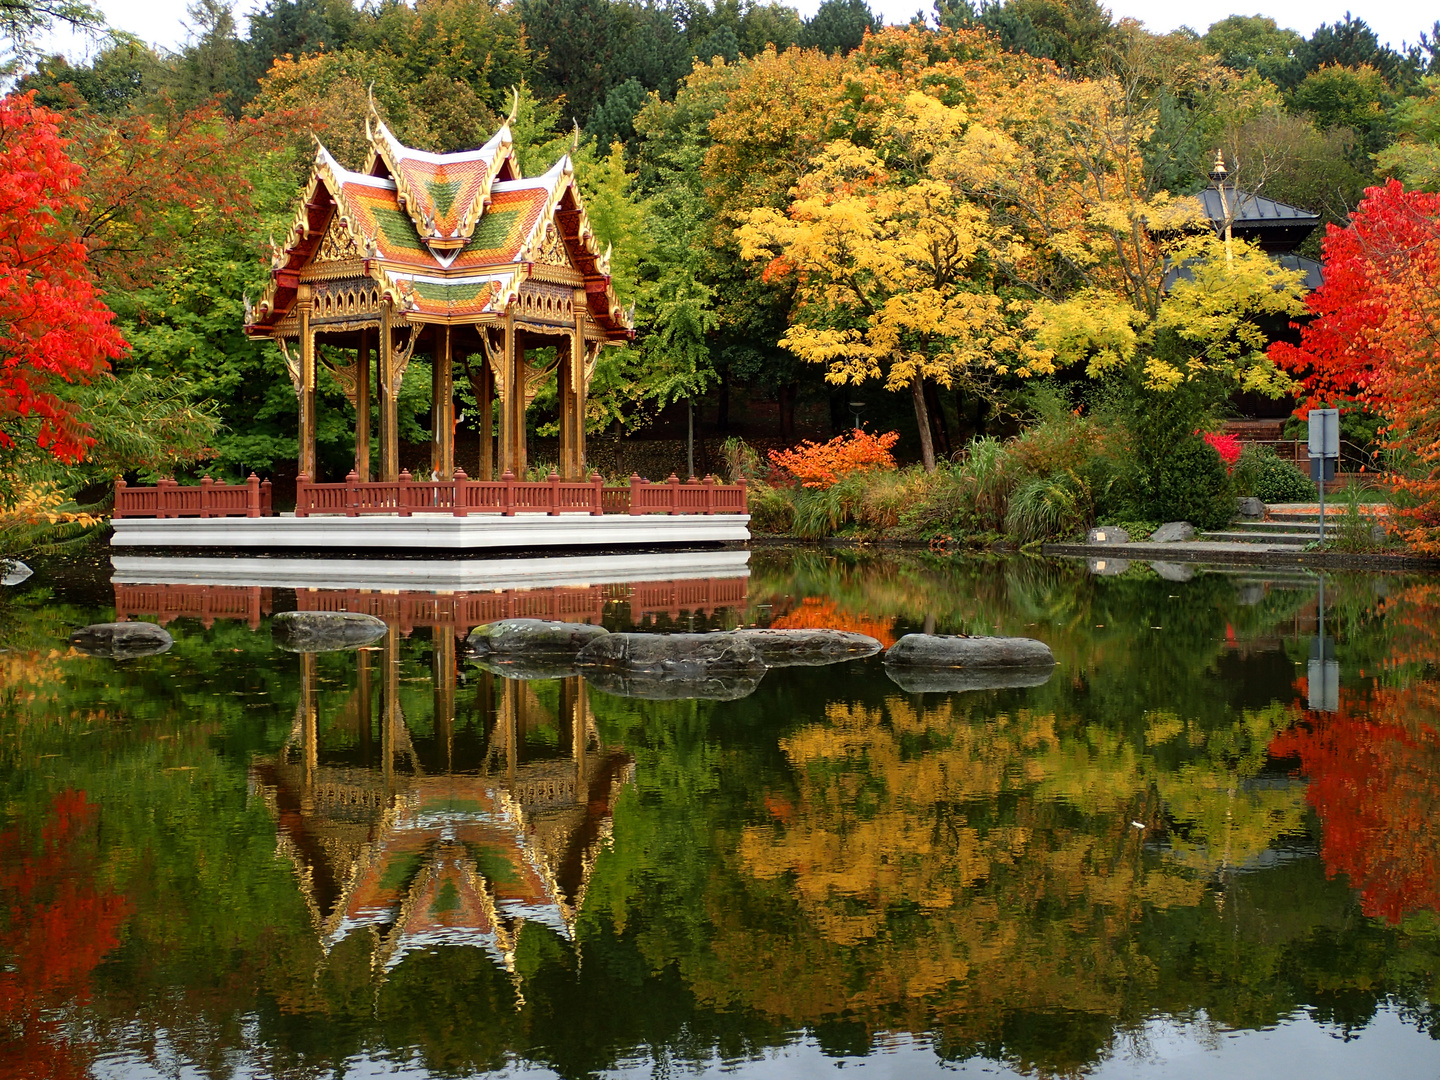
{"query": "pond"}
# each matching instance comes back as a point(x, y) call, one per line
point(1207, 845)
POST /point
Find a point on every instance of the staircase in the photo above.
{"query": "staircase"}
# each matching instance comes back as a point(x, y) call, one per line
point(1279, 528)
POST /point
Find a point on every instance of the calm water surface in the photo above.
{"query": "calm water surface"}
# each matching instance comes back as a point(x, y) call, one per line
point(1207, 846)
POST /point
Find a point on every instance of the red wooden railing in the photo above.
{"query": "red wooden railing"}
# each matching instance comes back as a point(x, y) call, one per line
point(209, 499)
point(507, 496)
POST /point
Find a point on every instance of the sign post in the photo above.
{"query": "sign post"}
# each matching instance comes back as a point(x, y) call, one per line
point(1324, 451)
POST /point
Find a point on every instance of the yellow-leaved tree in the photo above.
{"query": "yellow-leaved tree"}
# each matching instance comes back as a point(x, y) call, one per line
point(894, 267)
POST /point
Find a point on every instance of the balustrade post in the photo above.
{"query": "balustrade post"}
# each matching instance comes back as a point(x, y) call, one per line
point(205, 485)
point(507, 499)
point(744, 496)
point(267, 507)
point(252, 496)
point(352, 493)
point(302, 496)
point(461, 498)
point(402, 498)
point(597, 495)
point(635, 484)
point(674, 485)
point(554, 479)
point(119, 510)
point(710, 493)
point(163, 497)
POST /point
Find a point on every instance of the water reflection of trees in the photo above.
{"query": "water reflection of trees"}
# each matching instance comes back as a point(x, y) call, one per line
point(827, 854)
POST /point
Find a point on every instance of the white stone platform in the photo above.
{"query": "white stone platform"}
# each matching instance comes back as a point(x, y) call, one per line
point(431, 531)
point(437, 575)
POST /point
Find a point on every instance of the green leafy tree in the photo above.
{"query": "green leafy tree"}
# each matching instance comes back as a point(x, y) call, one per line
point(839, 26)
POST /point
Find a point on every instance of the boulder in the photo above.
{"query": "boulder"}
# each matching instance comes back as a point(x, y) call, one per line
point(663, 688)
point(1174, 571)
point(13, 572)
point(1107, 534)
point(532, 637)
point(950, 680)
point(957, 651)
point(324, 631)
point(672, 656)
point(1173, 532)
point(1108, 567)
point(1250, 507)
point(809, 648)
point(122, 640)
point(526, 667)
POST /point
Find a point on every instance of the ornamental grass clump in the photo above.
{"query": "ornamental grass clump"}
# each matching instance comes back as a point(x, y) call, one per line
point(1055, 507)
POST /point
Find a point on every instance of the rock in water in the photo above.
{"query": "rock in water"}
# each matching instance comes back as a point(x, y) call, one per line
point(525, 667)
point(949, 680)
point(956, 651)
point(324, 631)
point(809, 648)
point(13, 572)
point(122, 640)
point(1107, 534)
point(672, 656)
point(532, 637)
point(1108, 567)
point(1173, 532)
point(669, 688)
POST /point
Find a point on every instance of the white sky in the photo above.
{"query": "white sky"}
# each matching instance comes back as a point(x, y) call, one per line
point(161, 22)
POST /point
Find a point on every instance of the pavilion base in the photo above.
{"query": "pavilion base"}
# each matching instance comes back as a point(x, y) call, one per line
point(431, 532)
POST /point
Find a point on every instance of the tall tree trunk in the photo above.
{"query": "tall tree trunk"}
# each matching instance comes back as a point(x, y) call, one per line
point(786, 395)
point(937, 417)
point(922, 421)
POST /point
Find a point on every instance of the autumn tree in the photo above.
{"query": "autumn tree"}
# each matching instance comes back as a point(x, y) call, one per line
point(1375, 336)
point(54, 328)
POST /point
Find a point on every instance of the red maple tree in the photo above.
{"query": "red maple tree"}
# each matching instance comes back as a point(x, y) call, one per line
point(53, 325)
point(1375, 338)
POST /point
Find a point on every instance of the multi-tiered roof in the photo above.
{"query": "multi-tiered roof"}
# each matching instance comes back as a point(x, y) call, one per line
point(447, 238)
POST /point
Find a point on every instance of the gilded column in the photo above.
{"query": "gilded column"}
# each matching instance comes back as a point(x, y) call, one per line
point(442, 406)
point(303, 302)
point(362, 407)
point(389, 441)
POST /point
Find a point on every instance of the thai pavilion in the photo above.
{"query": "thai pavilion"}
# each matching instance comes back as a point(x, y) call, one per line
point(460, 257)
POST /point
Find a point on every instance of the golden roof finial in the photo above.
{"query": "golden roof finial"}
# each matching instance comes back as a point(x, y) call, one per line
point(575, 139)
point(1217, 171)
point(370, 97)
point(514, 106)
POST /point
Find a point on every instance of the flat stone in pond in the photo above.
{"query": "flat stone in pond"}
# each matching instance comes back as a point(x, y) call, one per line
point(809, 648)
point(951, 680)
point(532, 636)
point(664, 688)
point(525, 667)
point(1173, 532)
point(675, 656)
point(969, 653)
point(122, 640)
point(14, 572)
point(1107, 534)
point(324, 631)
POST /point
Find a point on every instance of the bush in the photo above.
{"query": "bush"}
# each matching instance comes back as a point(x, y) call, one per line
point(1261, 472)
point(1053, 508)
point(1191, 484)
point(771, 510)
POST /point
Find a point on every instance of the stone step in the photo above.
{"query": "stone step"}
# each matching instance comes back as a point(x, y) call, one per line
point(1297, 525)
point(1251, 536)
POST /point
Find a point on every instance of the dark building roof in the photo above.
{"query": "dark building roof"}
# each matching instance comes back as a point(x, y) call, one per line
point(1314, 272)
point(1276, 226)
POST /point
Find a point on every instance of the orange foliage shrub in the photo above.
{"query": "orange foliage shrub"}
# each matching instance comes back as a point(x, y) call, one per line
point(819, 465)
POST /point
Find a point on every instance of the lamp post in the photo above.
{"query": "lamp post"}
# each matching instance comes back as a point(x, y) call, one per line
point(857, 407)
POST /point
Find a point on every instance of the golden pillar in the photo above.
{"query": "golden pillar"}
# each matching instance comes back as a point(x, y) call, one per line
point(365, 707)
point(389, 394)
point(390, 707)
point(362, 407)
point(442, 406)
point(304, 301)
point(512, 424)
point(444, 673)
point(484, 387)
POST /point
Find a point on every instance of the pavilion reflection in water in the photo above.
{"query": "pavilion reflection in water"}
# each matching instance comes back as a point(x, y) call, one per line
point(465, 851)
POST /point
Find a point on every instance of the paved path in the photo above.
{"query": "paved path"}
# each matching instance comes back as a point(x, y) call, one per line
point(1211, 551)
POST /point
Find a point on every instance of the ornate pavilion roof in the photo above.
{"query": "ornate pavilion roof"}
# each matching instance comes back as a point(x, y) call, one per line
point(448, 238)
